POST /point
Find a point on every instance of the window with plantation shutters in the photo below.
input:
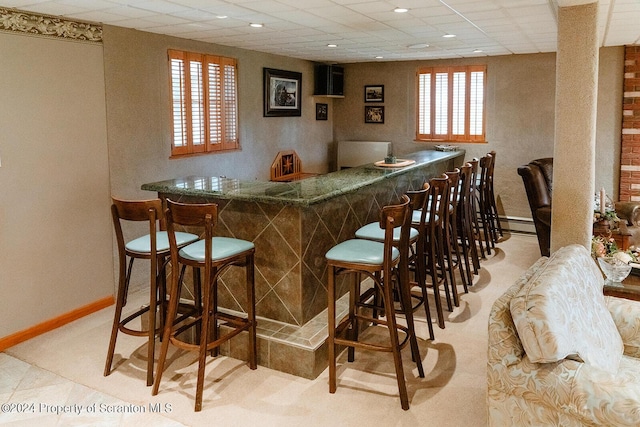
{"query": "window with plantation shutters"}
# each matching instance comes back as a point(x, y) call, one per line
point(451, 104)
point(204, 103)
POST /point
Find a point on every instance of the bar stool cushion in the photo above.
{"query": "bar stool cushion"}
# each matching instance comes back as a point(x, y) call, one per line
point(223, 247)
point(360, 251)
point(142, 245)
point(373, 231)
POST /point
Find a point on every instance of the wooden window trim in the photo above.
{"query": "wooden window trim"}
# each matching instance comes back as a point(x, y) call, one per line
point(227, 112)
point(450, 136)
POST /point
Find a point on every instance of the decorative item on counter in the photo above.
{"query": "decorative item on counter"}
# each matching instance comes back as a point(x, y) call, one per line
point(614, 270)
point(602, 246)
point(614, 263)
point(392, 162)
point(446, 147)
point(604, 214)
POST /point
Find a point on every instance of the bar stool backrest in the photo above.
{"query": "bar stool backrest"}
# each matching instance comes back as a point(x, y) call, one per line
point(418, 202)
point(466, 187)
point(454, 186)
point(465, 182)
point(392, 216)
point(418, 198)
point(474, 174)
point(203, 216)
point(135, 210)
point(485, 173)
point(440, 188)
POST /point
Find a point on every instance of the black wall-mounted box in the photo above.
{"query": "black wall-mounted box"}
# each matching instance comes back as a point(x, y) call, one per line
point(329, 80)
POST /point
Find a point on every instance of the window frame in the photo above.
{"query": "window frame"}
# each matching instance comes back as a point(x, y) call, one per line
point(449, 136)
point(226, 112)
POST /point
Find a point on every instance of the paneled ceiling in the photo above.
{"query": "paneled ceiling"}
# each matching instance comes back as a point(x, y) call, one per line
point(342, 31)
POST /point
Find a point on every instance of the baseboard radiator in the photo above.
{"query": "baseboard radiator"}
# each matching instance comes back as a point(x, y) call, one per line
point(514, 224)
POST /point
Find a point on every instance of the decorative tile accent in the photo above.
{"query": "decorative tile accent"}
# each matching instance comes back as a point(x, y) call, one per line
point(17, 21)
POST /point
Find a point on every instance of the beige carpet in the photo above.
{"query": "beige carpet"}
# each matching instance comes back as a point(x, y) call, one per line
point(64, 367)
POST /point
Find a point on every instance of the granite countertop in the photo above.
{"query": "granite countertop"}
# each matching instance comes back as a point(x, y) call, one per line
point(303, 192)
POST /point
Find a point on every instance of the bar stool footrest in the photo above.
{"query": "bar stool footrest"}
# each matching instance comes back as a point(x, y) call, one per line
point(345, 323)
point(135, 332)
point(236, 323)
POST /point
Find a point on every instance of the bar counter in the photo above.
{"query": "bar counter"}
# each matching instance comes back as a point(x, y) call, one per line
point(292, 226)
point(303, 193)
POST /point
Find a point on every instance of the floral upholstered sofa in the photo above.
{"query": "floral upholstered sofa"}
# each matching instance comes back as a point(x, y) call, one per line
point(560, 353)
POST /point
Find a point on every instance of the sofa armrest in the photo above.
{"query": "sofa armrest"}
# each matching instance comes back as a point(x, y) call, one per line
point(585, 394)
point(626, 316)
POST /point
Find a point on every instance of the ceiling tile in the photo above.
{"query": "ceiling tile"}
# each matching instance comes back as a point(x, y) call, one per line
point(362, 28)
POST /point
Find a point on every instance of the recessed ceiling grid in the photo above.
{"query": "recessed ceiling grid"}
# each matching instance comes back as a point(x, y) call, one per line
point(363, 30)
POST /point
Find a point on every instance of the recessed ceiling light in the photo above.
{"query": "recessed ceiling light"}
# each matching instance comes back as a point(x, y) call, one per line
point(379, 57)
point(255, 25)
point(477, 51)
point(221, 16)
point(418, 46)
point(332, 45)
point(449, 36)
point(400, 10)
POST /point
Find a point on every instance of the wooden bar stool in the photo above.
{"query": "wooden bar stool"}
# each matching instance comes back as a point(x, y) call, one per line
point(474, 198)
point(491, 198)
point(465, 225)
point(214, 255)
point(154, 247)
point(372, 231)
point(443, 236)
point(453, 252)
point(433, 218)
point(484, 207)
point(381, 262)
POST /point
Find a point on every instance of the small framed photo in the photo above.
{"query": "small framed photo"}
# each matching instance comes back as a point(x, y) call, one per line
point(281, 93)
point(374, 93)
point(322, 111)
point(373, 114)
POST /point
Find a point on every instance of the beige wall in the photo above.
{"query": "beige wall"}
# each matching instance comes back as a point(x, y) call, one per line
point(55, 229)
point(609, 120)
point(520, 114)
point(138, 113)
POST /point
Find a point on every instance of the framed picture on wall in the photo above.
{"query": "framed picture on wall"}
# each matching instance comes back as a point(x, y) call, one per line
point(374, 93)
point(322, 111)
point(281, 93)
point(373, 114)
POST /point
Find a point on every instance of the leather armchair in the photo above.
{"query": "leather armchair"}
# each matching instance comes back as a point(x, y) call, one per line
point(538, 182)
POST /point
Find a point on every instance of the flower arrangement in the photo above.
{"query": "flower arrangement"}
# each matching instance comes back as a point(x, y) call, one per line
point(604, 213)
point(607, 247)
point(609, 216)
